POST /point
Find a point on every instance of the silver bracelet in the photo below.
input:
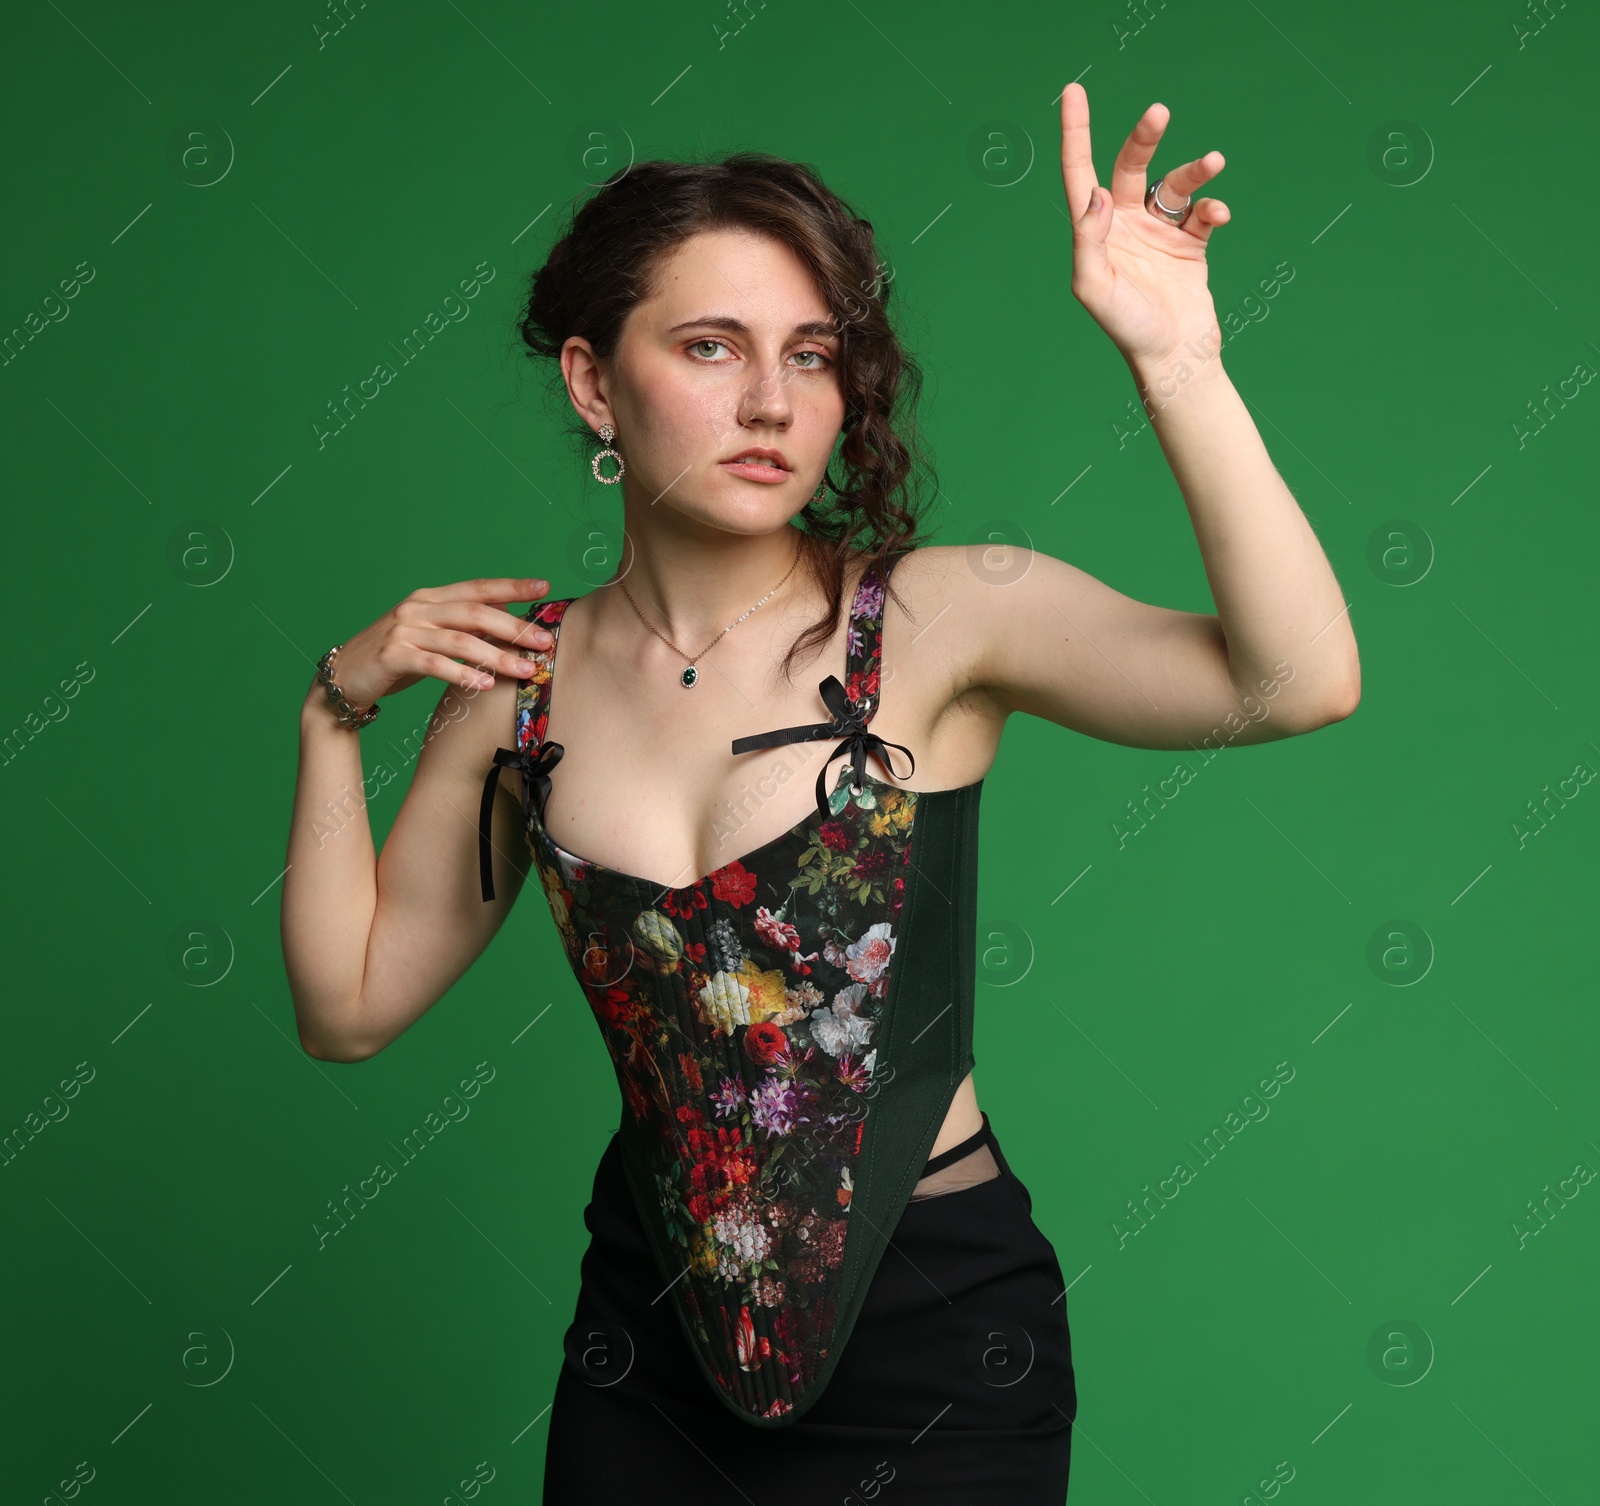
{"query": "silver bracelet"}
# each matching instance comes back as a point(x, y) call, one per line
point(348, 715)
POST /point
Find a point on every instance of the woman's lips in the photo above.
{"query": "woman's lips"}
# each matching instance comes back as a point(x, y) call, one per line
point(755, 470)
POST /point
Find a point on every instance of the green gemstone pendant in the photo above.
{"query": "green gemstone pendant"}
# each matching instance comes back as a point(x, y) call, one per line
point(689, 676)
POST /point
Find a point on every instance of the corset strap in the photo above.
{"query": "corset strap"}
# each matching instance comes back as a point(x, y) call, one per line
point(535, 766)
point(849, 724)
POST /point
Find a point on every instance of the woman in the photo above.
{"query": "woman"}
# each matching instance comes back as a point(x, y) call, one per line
point(811, 1270)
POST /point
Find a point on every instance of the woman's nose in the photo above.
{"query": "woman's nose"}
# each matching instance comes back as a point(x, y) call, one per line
point(767, 398)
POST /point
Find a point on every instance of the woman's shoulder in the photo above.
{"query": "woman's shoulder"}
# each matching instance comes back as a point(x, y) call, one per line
point(939, 572)
point(939, 584)
point(914, 584)
point(926, 556)
point(915, 559)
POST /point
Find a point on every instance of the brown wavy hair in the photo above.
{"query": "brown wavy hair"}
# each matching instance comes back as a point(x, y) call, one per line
point(604, 263)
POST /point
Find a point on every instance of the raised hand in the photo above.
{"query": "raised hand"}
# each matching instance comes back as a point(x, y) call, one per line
point(433, 627)
point(1142, 279)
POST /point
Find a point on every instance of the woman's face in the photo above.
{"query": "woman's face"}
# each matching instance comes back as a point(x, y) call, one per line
point(734, 351)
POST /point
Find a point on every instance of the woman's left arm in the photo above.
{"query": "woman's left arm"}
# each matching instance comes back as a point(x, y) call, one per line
point(1282, 627)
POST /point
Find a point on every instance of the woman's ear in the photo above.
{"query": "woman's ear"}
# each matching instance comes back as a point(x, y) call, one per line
point(586, 381)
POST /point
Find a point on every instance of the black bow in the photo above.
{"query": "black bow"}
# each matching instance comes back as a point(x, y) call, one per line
point(850, 719)
point(535, 764)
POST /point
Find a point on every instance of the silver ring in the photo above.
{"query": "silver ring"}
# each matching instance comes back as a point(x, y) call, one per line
point(1152, 202)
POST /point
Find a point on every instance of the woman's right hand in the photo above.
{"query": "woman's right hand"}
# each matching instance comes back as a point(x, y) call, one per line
point(434, 626)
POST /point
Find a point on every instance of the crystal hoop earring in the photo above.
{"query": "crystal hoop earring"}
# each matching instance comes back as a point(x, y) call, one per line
point(822, 488)
point(607, 434)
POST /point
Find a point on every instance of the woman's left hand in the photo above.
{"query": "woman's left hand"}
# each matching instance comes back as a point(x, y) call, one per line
point(1142, 279)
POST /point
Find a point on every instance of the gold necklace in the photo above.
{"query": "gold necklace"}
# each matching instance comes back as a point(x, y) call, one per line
point(690, 676)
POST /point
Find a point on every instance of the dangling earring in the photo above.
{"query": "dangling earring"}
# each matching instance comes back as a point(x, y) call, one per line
point(822, 488)
point(607, 434)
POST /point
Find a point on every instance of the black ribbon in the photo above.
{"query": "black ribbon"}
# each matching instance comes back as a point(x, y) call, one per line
point(535, 765)
point(849, 724)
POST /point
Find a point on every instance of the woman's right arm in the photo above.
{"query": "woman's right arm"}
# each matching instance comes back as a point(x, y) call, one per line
point(371, 941)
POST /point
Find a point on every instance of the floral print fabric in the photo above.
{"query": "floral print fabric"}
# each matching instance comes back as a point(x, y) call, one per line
point(740, 1014)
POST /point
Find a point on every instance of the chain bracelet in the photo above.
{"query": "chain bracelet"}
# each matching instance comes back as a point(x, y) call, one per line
point(348, 715)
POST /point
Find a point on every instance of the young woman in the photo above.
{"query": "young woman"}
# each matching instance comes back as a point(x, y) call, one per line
point(752, 808)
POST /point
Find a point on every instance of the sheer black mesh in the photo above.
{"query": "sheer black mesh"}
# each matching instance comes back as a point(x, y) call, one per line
point(977, 1166)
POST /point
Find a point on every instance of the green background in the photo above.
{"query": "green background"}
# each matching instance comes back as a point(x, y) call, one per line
point(175, 528)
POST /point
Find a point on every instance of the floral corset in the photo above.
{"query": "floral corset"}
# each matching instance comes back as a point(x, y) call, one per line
point(787, 1032)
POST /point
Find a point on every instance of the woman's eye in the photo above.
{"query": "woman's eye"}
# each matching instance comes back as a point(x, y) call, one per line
point(817, 362)
point(704, 345)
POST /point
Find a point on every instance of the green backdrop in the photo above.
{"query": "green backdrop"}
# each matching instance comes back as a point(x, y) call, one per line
point(254, 207)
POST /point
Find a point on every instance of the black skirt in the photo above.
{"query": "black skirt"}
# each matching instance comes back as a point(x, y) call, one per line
point(955, 1385)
